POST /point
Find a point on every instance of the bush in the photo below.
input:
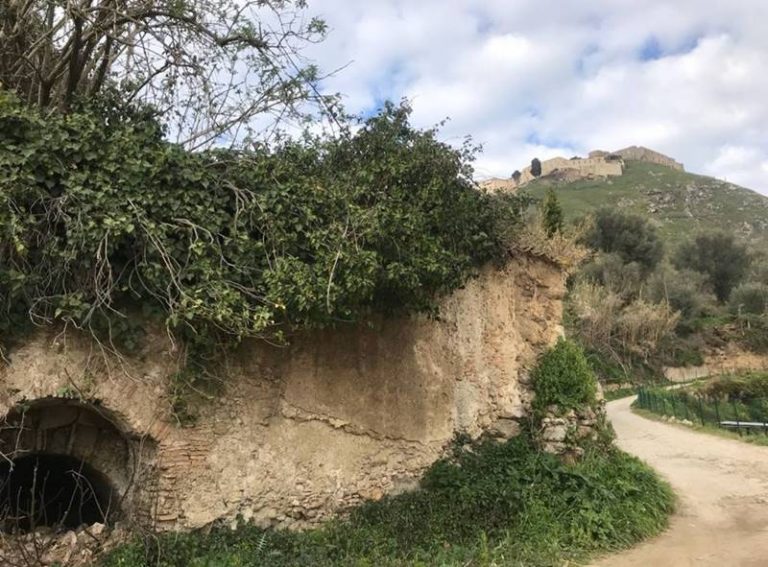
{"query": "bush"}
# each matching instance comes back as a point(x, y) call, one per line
point(551, 214)
point(98, 214)
point(611, 272)
point(563, 377)
point(503, 504)
point(632, 237)
point(722, 260)
point(683, 290)
point(606, 324)
point(749, 298)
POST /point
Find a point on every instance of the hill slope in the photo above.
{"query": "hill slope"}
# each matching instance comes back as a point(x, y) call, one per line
point(681, 204)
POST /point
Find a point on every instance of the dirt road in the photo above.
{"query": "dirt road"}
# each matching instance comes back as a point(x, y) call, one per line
point(723, 489)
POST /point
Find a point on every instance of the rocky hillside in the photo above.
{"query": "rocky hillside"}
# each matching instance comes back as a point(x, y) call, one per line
point(679, 203)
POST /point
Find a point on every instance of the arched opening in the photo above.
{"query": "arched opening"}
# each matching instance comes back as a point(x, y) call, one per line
point(57, 491)
point(67, 463)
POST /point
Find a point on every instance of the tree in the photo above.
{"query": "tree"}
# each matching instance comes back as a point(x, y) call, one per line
point(535, 167)
point(516, 176)
point(632, 237)
point(208, 67)
point(719, 257)
point(551, 214)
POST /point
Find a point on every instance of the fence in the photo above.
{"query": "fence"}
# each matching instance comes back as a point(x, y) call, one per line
point(740, 414)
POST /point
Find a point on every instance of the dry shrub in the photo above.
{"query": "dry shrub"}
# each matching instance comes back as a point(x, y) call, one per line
point(562, 248)
point(607, 325)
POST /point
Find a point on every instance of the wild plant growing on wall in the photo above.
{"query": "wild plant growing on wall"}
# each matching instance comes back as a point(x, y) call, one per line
point(101, 220)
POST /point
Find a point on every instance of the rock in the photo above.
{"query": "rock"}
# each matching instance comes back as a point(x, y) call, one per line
point(556, 433)
point(97, 529)
point(505, 429)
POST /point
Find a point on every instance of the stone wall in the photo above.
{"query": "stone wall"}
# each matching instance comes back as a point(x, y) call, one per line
point(586, 167)
point(639, 153)
point(298, 433)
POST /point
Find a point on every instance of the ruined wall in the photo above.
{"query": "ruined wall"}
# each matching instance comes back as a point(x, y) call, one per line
point(640, 153)
point(300, 432)
point(586, 167)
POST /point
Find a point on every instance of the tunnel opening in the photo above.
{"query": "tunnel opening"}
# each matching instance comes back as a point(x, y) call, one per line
point(54, 491)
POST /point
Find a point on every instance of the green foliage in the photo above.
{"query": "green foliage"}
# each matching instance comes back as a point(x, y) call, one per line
point(551, 214)
point(684, 291)
point(750, 298)
point(503, 504)
point(98, 215)
point(664, 196)
point(632, 237)
point(563, 377)
point(613, 273)
point(719, 257)
point(746, 386)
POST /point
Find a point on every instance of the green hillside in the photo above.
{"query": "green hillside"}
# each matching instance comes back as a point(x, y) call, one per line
point(679, 203)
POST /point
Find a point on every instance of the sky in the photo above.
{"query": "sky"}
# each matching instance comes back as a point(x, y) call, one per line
point(542, 78)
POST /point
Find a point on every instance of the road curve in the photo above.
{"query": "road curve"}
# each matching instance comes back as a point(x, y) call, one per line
point(722, 484)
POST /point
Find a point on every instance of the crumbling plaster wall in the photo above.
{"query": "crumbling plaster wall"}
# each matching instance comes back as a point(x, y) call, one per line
point(339, 416)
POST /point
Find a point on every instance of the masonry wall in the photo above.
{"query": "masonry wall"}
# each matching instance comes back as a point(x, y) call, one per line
point(300, 432)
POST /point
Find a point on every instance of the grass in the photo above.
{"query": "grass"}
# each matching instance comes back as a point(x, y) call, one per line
point(680, 203)
point(496, 504)
point(754, 439)
point(619, 393)
point(734, 397)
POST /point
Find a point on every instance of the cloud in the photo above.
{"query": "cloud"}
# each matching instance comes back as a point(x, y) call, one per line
point(541, 78)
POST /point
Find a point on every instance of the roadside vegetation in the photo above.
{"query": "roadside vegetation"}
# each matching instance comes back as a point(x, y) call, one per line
point(639, 305)
point(486, 503)
point(709, 404)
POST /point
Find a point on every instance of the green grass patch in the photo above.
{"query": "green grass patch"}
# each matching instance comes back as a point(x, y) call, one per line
point(754, 439)
point(502, 504)
point(619, 393)
point(680, 203)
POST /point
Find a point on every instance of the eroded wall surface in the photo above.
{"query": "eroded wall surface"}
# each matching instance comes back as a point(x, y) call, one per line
point(300, 432)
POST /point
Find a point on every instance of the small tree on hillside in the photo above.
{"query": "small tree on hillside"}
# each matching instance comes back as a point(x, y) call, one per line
point(551, 214)
point(535, 167)
point(719, 257)
point(630, 236)
point(516, 176)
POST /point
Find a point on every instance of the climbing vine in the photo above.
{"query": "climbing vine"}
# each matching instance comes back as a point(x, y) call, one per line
point(101, 218)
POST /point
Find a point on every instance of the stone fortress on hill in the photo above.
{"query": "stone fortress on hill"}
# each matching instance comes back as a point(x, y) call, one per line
point(598, 164)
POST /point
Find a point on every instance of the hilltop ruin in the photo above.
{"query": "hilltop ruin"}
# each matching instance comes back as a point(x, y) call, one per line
point(598, 164)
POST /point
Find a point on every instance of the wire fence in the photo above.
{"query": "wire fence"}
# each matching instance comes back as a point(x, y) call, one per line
point(750, 415)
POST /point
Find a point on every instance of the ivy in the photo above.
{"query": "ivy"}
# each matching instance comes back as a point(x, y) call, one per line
point(102, 219)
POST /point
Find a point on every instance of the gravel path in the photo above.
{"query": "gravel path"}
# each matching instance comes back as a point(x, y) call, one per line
point(722, 485)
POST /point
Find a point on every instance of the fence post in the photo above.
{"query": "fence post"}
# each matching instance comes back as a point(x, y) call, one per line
point(701, 411)
point(717, 411)
point(736, 412)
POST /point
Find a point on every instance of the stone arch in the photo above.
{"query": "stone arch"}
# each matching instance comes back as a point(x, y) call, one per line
point(66, 462)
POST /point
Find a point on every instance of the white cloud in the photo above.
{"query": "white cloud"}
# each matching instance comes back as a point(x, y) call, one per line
point(540, 78)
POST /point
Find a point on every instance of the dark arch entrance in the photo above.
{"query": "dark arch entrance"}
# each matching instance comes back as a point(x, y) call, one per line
point(66, 463)
point(57, 491)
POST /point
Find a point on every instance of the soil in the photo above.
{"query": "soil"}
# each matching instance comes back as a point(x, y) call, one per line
point(722, 485)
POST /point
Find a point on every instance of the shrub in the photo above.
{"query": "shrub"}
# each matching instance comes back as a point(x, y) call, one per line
point(551, 214)
point(750, 298)
point(684, 291)
point(722, 260)
point(563, 377)
point(622, 332)
point(99, 213)
point(611, 272)
point(632, 237)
